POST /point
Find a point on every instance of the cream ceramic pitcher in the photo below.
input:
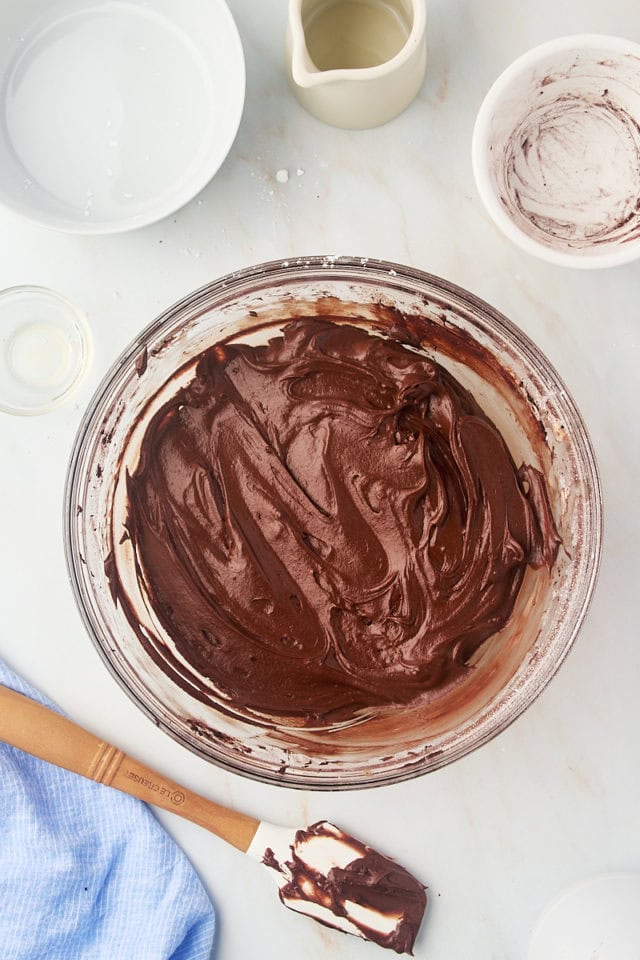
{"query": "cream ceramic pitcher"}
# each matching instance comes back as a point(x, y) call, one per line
point(356, 63)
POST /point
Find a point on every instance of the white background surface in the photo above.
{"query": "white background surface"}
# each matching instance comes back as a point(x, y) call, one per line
point(555, 798)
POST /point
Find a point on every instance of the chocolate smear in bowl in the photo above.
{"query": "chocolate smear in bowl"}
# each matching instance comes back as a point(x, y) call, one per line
point(327, 524)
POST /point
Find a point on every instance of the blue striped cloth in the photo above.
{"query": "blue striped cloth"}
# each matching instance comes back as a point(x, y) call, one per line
point(88, 873)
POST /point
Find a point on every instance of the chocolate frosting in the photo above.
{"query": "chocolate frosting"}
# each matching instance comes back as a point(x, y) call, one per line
point(328, 523)
point(383, 887)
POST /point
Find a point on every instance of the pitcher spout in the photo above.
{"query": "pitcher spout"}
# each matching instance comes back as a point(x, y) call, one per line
point(303, 70)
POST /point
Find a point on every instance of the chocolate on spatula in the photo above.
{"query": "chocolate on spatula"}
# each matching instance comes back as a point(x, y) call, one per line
point(329, 875)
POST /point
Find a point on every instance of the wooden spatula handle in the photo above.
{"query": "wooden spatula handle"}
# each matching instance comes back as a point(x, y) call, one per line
point(45, 734)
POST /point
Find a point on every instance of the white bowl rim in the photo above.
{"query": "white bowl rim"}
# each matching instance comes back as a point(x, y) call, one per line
point(219, 9)
point(587, 41)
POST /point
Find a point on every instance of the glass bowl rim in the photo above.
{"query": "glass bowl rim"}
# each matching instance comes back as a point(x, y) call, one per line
point(368, 269)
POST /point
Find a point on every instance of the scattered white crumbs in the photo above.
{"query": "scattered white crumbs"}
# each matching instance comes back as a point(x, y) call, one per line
point(282, 175)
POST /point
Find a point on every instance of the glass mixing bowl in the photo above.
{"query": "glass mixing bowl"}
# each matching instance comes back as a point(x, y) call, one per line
point(516, 386)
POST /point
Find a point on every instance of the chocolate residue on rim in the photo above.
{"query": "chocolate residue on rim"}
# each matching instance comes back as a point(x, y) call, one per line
point(142, 362)
point(328, 524)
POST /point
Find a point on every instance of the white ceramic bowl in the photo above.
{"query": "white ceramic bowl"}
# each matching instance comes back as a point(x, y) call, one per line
point(598, 918)
point(114, 114)
point(556, 151)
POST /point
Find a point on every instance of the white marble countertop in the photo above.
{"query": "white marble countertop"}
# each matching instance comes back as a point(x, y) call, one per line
point(555, 798)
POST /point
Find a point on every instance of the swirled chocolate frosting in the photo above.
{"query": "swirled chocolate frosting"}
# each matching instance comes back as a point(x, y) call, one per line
point(329, 523)
point(368, 894)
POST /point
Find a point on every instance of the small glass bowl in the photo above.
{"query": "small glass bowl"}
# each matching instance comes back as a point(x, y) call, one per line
point(45, 350)
point(518, 389)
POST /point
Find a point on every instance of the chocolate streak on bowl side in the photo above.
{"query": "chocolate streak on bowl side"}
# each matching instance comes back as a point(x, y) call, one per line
point(383, 901)
point(326, 525)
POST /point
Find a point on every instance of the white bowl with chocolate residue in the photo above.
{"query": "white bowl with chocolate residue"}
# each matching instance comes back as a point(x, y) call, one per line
point(556, 151)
